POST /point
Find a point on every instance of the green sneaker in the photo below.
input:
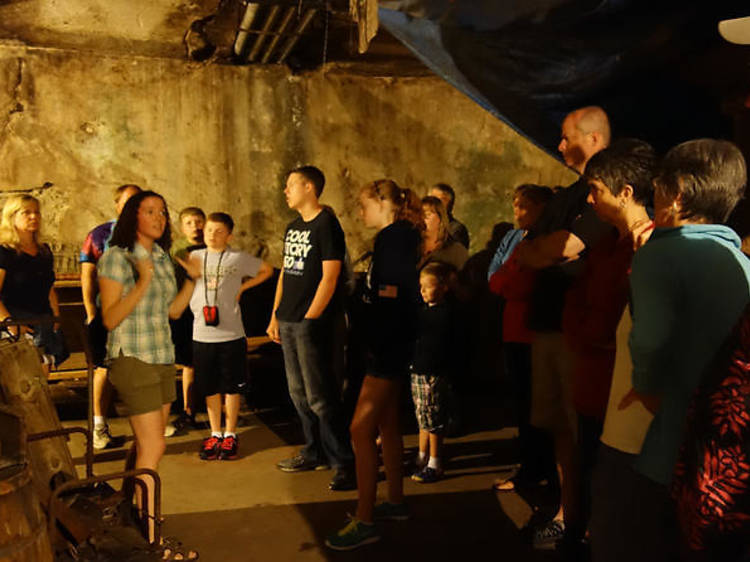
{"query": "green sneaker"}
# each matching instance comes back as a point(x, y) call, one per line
point(353, 535)
point(387, 511)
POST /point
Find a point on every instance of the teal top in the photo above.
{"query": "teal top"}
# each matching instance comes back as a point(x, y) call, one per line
point(689, 287)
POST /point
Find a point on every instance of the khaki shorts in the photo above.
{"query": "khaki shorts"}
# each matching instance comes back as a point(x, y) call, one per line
point(551, 396)
point(142, 387)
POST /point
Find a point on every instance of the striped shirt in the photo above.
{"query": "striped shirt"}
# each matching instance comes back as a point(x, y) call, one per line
point(145, 332)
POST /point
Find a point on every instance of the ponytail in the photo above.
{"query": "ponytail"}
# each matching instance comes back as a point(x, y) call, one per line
point(411, 208)
point(407, 204)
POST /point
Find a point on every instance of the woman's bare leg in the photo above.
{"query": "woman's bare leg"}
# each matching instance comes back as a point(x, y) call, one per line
point(373, 400)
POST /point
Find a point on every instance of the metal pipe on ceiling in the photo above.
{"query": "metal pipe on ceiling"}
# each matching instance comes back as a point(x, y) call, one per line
point(272, 14)
point(292, 41)
point(279, 32)
point(247, 21)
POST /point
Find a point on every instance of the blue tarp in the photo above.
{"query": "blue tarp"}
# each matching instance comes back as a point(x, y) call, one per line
point(530, 62)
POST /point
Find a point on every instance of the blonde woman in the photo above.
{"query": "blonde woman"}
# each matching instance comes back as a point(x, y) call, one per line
point(26, 273)
point(437, 243)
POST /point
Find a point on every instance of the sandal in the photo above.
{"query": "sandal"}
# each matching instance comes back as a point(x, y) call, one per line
point(172, 549)
point(510, 484)
point(504, 485)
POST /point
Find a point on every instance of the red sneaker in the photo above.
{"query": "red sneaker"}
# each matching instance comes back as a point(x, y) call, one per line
point(210, 448)
point(229, 448)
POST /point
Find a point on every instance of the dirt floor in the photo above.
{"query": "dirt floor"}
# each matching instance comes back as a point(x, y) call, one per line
point(246, 509)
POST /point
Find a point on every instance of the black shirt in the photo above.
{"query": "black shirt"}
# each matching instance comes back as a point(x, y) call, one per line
point(568, 210)
point(306, 246)
point(392, 294)
point(28, 280)
point(435, 348)
point(459, 232)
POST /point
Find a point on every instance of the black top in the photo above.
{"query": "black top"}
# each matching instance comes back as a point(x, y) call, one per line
point(459, 232)
point(28, 280)
point(435, 348)
point(568, 210)
point(392, 294)
point(306, 246)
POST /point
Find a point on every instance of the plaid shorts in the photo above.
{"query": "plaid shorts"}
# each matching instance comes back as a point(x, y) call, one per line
point(429, 394)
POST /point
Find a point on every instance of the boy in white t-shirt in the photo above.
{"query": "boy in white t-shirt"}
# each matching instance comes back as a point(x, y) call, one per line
point(219, 345)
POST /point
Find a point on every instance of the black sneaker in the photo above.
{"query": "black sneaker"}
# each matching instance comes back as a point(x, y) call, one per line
point(210, 448)
point(229, 446)
point(344, 479)
point(299, 463)
point(184, 422)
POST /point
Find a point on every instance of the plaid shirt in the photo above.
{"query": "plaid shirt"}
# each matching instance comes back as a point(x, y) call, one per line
point(145, 332)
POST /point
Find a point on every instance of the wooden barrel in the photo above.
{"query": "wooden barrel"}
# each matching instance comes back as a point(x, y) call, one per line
point(23, 526)
point(23, 386)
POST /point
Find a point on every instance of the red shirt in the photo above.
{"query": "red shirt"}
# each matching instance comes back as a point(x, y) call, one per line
point(593, 307)
point(515, 284)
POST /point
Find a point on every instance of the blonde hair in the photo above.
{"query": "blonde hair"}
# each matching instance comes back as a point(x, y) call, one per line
point(405, 202)
point(436, 206)
point(8, 233)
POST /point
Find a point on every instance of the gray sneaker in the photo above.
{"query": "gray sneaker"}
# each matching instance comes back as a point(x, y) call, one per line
point(299, 463)
point(102, 437)
point(546, 537)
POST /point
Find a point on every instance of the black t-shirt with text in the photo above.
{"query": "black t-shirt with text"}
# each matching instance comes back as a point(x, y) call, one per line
point(306, 246)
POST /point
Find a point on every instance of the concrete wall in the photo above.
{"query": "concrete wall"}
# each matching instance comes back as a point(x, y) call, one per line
point(222, 137)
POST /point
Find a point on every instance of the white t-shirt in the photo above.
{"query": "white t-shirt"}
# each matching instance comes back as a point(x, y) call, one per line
point(221, 285)
point(626, 429)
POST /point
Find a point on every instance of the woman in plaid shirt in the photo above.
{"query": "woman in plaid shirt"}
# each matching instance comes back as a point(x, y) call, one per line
point(139, 295)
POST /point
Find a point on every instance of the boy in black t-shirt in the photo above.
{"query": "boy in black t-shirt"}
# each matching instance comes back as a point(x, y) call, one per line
point(306, 298)
point(431, 367)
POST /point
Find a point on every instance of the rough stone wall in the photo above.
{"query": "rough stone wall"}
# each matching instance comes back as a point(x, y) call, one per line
point(222, 138)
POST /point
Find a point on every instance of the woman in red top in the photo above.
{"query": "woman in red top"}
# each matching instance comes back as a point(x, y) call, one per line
point(515, 284)
point(620, 178)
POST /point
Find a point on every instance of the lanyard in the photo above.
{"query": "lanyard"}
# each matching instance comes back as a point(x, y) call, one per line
point(205, 277)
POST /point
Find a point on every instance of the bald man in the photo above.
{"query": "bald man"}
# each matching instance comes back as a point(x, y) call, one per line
point(554, 247)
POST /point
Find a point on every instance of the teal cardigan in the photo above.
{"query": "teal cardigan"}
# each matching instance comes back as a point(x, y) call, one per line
point(689, 286)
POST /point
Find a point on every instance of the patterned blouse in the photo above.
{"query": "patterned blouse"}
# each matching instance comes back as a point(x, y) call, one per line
point(145, 332)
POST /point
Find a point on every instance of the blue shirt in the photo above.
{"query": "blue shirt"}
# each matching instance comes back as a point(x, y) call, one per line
point(505, 249)
point(689, 287)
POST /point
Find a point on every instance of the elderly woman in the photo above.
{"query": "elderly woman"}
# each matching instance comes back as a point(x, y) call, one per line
point(437, 244)
point(690, 284)
point(26, 274)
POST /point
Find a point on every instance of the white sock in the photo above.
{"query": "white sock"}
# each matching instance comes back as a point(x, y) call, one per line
point(216, 434)
point(230, 434)
point(422, 456)
point(100, 421)
point(434, 463)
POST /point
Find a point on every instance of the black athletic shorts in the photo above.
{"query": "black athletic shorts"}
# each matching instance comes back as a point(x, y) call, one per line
point(220, 368)
point(97, 336)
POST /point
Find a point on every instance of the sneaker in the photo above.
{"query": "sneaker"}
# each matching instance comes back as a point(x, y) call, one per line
point(102, 437)
point(169, 430)
point(184, 422)
point(427, 475)
point(299, 463)
point(353, 535)
point(546, 536)
point(229, 446)
point(344, 479)
point(387, 511)
point(210, 448)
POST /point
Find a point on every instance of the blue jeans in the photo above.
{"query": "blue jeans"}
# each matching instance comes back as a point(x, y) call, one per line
point(313, 389)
